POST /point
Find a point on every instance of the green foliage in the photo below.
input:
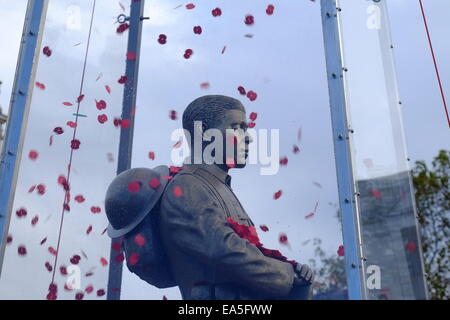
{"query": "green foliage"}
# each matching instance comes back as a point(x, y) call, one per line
point(432, 195)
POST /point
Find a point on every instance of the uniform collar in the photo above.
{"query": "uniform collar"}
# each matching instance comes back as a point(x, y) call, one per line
point(215, 171)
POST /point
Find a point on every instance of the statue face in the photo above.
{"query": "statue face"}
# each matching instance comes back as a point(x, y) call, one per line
point(235, 121)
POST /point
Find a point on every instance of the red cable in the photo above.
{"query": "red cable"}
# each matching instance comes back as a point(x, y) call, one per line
point(73, 137)
point(435, 63)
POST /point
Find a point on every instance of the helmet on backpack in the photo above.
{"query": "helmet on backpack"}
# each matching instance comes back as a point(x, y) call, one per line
point(132, 206)
point(131, 196)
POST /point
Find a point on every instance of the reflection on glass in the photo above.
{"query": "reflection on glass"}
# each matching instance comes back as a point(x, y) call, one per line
point(280, 58)
point(389, 231)
point(58, 209)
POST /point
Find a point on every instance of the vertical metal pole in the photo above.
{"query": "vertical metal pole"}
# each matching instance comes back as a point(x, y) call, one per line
point(354, 265)
point(126, 135)
point(11, 152)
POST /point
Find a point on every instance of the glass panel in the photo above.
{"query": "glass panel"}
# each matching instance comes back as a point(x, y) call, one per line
point(280, 57)
point(381, 171)
point(16, 12)
point(39, 225)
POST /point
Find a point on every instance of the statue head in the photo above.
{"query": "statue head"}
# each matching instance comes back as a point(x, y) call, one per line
point(216, 125)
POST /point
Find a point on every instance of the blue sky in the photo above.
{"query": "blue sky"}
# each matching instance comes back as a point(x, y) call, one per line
point(283, 62)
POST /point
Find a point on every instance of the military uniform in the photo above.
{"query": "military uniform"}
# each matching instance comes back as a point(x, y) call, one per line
point(207, 258)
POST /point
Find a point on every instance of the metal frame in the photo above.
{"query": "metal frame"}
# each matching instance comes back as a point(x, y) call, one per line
point(126, 135)
point(18, 112)
point(354, 264)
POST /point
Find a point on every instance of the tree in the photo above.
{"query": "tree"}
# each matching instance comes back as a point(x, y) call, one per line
point(432, 196)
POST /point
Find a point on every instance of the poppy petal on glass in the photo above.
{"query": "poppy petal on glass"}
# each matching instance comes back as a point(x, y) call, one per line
point(173, 115)
point(22, 212)
point(122, 79)
point(89, 229)
point(134, 186)
point(177, 144)
point(103, 261)
point(217, 12)
point(162, 39)
point(177, 191)
point(89, 289)
point(47, 51)
point(125, 123)
point(242, 90)
point(133, 259)
point(310, 215)
point(95, 209)
point(48, 266)
point(21, 250)
point(154, 183)
point(79, 296)
point(283, 239)
point(41, 189)
point(58, 130)
point(34, 220)
point(68, 104)
point(252, 95)
point(376, 193)
point(71, 124)
point(33, 154)
point(277, 194)
point(249, 20)
point(40, 85)
point(151, 155)
point(188, 53)
point(100, 104)
point(190, 6)
point(122, 28)
point(340, 251)
point(264, 228)
point(119, 258)
point(139, 240)
point(270, 9)
point(75, 144)
point(197, 30)
point(131, 56)
point(253, 116)
point(102, 118)
point(79, 198)
point(108, 89)
point(284, 161)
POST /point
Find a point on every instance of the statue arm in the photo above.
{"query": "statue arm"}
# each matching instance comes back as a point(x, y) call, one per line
point(196, 224)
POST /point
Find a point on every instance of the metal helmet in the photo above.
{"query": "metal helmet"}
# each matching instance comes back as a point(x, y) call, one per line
point(131, 196)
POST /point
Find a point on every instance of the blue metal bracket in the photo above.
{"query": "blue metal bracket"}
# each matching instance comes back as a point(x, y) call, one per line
point(126, 135)
point(18, 112)
point(354, 264)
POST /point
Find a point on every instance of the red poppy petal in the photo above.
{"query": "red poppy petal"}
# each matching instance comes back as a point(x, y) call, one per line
point(277, 194)
point(139, 240)
point(103, 261)
point(177, 191)
point(253, 116)
point(134, 186)
point(133, 259)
